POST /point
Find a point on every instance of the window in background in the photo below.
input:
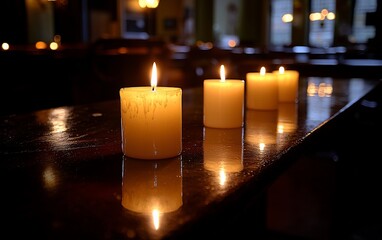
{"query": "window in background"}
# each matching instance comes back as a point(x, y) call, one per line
point(281, 22)
point(322, 19)
point(362, 32)
point(133, 20)
point(226, 17)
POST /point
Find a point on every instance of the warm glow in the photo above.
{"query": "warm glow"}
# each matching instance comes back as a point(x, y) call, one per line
point(322, 15)
point(155, 214)
point(222, 177)
point(287, 18)
point(321, 90)
point(50, 178)
point(154, 77)
point(312, 89)
point(262, 146)
point(222, 73)
point(58, 120)
point(148, 3)
point(122, 50)
point(280, 128)
point(5, 46)
point(331, 16)
point(324, 12)
point(315, 16)
point(53, 46)
point(232, 43)
point(281, 70)
point(262, 71)
point(324, 90)
point(40, 45)
point(204, 45)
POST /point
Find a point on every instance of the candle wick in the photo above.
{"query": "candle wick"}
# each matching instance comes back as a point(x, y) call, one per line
point(153, 88)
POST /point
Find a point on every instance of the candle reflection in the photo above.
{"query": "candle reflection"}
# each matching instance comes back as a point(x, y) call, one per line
point(287, 118)
point(261, 127)
point(319, 91)
point(223, 151)
point(58, 126)
point(152, 187)
point(321, 87)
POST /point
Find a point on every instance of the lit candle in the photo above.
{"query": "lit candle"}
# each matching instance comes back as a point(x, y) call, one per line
point(152, 186)
point(262, 90)
point(151, 120)
point(223, 102)
point(288, 84)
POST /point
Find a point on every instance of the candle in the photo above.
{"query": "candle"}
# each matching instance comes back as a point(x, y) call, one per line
point(262, 90)
point(288, 84)
point(223, 102)
point(223, 150)
point(151, 120)
point(152, 186)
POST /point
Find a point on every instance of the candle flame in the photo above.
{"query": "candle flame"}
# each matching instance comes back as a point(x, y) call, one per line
point(281, 70)
point(154, 77)
point(262, 71)
point(222, 73)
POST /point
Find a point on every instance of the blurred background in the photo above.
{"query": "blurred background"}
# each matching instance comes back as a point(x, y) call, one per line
point(65, 52)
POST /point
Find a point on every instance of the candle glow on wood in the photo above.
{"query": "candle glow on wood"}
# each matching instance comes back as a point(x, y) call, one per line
point(152, 188)
point(287, 117)
point(151, 120)
point(262, 90)
point(261, 127)
point(223, 151)
point(223, 103)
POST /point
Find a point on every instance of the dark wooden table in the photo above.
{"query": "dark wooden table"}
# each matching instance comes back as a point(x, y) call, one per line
point(63, 174)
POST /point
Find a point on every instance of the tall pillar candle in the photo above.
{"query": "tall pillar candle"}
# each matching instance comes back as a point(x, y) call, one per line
point(151, 121)
point(223, 102)
point(262, 90)
point(288, 84)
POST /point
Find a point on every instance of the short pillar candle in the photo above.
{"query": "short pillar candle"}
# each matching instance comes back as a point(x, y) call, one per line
point(223, 102)
point(288, 84)
point(261, 90)
point(151, 121)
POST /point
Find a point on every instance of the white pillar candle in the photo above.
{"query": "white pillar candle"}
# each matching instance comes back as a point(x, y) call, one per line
point(262, 90)
point(149, 186)
point(151, 121)
point(223, 102)
point(288, 84)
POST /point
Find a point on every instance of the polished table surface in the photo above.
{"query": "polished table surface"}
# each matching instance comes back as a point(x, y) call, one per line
point(64, 175)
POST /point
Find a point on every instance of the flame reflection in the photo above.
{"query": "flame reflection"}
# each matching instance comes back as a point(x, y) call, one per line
point(152, 187)
point(261, 127)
